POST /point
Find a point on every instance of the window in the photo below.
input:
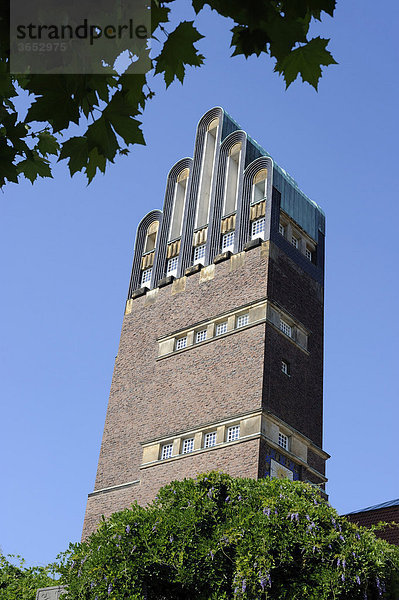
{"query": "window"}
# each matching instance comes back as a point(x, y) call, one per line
point(232, 176)
point(285, 328)
point(259, 186)
point(171, 268)
point(200, 336)
point(176, 221)
point(146, 276)
point(233, 433)
point(283, 440)
point(151, 237)
point(295, 241)
point(228, 241)
point(242, 320)
point(166, 451)
point(199, 254)
point(285, 367)
point(188, 446)
point(181, 343)
point(281, 229)
point(206, 177)
point(258, 229)
point(210, 439)
point(308, 254)
point(221, 328)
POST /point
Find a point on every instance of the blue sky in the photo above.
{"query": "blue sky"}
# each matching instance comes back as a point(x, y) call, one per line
point(66, 252)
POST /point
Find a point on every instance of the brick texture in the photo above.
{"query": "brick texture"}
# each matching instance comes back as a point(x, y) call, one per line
point(372, 517)
point(219, 380)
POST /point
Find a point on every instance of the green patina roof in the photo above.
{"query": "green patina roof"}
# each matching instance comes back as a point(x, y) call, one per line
point(294, 201)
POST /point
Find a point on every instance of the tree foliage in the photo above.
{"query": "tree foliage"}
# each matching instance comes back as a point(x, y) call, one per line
point(18, 582)
point(219, 538)
point(108, 107)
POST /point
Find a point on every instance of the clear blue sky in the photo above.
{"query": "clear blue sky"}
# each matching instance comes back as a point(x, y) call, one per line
point(66, 252)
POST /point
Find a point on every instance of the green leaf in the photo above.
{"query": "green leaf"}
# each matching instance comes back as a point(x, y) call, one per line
point(306, 61)
point(76, 149)
point(47, 144)
point(34, 167)
point(100, 135)
point(159, 14)
point(55, 103)
point(178, 51)
point(7, 171)
point(128, 129)
point(96, 161)
point(7, 89)
point(118, 114)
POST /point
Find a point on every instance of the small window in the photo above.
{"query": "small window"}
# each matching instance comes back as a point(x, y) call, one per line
point(221, 328)
point(228, 242)
point(166, 451)
point(283, 440)
point(146, 277)
point(295, 241)
point(285, 328)
point(181, 343)
point(242, 320)
point(281, 229)
point(258, 229)
point(210, 439)
point(199, 254)
point(171, 268)
point(308, 254)
point(200, 336)
point(188, 446)
point(233, 433)
point(285, 367)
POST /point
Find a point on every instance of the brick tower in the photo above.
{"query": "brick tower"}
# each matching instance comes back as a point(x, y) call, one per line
point(220, 363)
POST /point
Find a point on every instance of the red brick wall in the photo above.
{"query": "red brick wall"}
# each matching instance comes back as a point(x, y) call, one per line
point(297, 399)
point(239, 460)
point(153, 398)
point(216, 381)
point(372, 517)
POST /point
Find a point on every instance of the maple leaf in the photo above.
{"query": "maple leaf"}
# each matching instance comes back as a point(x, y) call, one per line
point(178, 51)
point(306, 61)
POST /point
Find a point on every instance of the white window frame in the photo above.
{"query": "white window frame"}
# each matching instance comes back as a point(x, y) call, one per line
point(171, 266)
point(200, 336)
point(295, 241)
point(283, 440)
point(199, 254)
point(166, 451)
point(281, 229)
point(242, 320)
point(188, 446)
point(221, 328)
point(285, 367)
point(146, 276)
point(181, 343)
point(228, 241)
point(233, 433)
point(258, 228)
point(210, 439)
point(308, 254)
point(286, 328)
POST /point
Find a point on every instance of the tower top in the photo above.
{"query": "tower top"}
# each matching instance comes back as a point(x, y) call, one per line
point(218, 191)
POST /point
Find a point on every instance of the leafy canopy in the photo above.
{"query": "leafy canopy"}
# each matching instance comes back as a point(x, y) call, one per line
point(108, 106)
point(219, 538)
point(20, 583)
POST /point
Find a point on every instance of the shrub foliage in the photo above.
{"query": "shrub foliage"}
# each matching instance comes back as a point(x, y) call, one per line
point(216, 537)
point(18, 582)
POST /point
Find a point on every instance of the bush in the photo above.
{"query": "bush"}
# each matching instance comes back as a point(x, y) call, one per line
point(19, 582)
point(216, 537)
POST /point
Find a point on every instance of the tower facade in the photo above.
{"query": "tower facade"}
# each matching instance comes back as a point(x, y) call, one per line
point(220, 363)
